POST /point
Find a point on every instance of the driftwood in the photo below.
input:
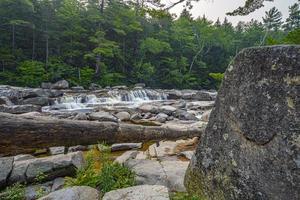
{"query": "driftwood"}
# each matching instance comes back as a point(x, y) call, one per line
point(19, 134)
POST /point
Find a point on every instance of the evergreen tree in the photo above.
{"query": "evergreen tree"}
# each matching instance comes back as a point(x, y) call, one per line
point(273, 19)
point(293, 21)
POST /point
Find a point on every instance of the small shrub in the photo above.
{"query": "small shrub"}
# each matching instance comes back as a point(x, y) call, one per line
point(14, 192)
point(183, 196)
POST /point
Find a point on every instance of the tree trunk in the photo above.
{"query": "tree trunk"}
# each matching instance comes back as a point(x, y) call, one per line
point(24, 135)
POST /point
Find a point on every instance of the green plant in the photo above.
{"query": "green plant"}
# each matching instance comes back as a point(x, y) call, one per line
point(32, 73)
point(41, 177)
point(217, 77)
point(14, 192)
point(40, 192)
point(183, 196)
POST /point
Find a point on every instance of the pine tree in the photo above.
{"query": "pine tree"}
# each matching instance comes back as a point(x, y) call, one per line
point(293, 21)
point(273, 19)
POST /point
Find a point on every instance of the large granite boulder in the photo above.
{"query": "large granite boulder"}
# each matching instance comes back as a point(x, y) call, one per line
point(250, 149)
point(63, 84)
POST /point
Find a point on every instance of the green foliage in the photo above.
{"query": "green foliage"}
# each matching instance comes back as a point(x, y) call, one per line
point(183, 196)
point(14, 192)
point(86, 76)
point(293, 37)
point(31, 73)
point(217, 77)
point(41, 177)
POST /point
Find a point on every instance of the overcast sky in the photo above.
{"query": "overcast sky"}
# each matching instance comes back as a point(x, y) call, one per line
point(217, 8)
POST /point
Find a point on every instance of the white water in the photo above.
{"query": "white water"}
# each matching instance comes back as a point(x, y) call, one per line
point(131, 98)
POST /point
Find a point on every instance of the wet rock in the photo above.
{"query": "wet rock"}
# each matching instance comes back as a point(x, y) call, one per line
point(74, 193)
point(40, 101)
point(161, 117)
point(250, 148)
point(6, 165)
point(19, 109)
point(123, 116)
point(125, 146)
point(77, 148)
point(103, 117)
point(63, 84)
point(140, 192)
point(126, 156)
point(57, 150)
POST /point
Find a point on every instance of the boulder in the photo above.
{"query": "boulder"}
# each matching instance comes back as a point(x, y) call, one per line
point(103, 117)
point(161, 117)
point(184, 115)
point(40, 101)
point(136, 116)
point(120, 87)
point(77, 88)
point(250, 149)
point(63, 84)
point(77, 148)
point(126, 156)
point(22, 157)
point(73, 193)
point(123, 116)
point(5, 101)
point(140, 85)
point(148, 108)
point(33, 192)
point(94, 86)
point(57, 150)
point(167, 109)
point(58, 184)
point(80, 116)
point(46, 85)
point(19, 109)
point(52, 167)
point(6, 165)
point(125, 146)
point(140, 192)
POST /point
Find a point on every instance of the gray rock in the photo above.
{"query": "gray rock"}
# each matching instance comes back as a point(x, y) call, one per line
point(123, 116)
point(77, 148)
point(40, 101)
point(140, 85)
point(6, 165)
point(19, 109)
point(184, 115)
point(74, 193)
point(77, 88)
point(126, 156)
point(187, 154)
point(167, 109)
point(58, 184)
point(148, 108)
point(5, 101)
point(205, 116)
point(136, 116)
point(161, 117)
point(94, 86)
point(251, 144)
point(57, 150)
point(125, 146)
point(63, 84)
point(46, 85)
point(22, 157)
point(120, 87)
point(81, 116)
point(103, 116)
point(34, 191)
point(140, 192)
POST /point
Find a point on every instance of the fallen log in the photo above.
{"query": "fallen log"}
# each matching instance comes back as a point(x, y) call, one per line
point(21, 134)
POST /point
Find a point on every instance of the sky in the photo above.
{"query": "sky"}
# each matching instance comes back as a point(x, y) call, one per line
point(217, 8)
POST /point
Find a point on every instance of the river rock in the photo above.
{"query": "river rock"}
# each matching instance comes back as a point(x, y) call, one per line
point(140, 192)
point(57, 150)
point(19, 109)
point(140, 85)
point(94, 86)
point(5, 101)
point(103, 117)
point(74, 193)
point(40, 101)
point(167, 109)
point(126, 156)
point(77, 148)
point(58, 184)
point(123, 116)
point(184, 115)
point(63, 84)
point(6, 165)
point(250, 149)
point(161, 117)
point(81, 116)
point(52, 167)
point(46, 85)
point(125, 146)
point(148, 108)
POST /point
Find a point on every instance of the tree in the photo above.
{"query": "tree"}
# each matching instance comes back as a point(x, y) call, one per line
point(293, 21)
point(273, 19)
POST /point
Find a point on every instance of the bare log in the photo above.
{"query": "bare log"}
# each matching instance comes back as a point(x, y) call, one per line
point(19, 134)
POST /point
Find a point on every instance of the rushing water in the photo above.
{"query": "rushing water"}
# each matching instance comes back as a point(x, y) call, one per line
point(130, 98)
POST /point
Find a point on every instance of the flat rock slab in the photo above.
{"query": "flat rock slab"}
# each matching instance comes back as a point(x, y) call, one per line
point(103, 117)
point(140, 192)
point(126, 156)
point(125, 146)
point(74, 193)
point(6, 165)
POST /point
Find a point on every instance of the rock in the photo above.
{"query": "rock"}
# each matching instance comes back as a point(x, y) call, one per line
point(140, 192)
point(161, 117)
point(184, 115)
point(94, 86)
point(103, 117)
point(74, 193)
point(5, 101)
point(77, 88)
point(200, 105)
point(57, 150)
point(51, 167)
point(125, 146)
point(120, 87)
point(205, 116)
point(22, 157)
point(31, 115)
point(187, 154)
point(148, 108)
point(123, 116)
point(33, 192)
point(167, 109)
point(58, 184)
point(63, 84)
point(140, 85)
point(103, 148)
point(175, 172)
point(250, 149)
point(19, 109)
point(40, 101)
point(141, 155)
point(6, 165)
point(136, 116)
point(147, 172)
point(81, 116)
point(126, 156)
point(46, 85)
point(77, 148)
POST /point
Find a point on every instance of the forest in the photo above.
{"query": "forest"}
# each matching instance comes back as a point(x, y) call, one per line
point(116, 42)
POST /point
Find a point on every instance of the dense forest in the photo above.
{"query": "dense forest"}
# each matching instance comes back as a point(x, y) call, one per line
point(113, 42)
